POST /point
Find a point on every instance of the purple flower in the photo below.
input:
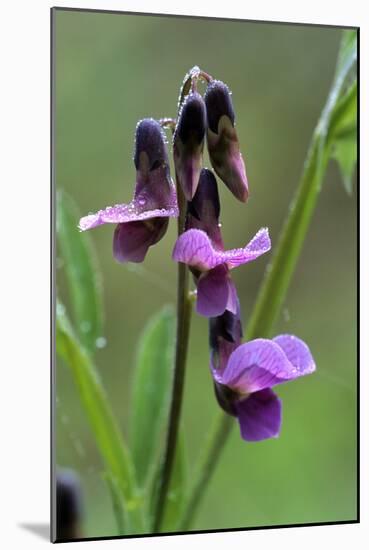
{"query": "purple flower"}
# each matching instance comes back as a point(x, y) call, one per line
point(245, 373)
point(188, 143)
point(215, 290)
point(144, 221)
point(223, 146)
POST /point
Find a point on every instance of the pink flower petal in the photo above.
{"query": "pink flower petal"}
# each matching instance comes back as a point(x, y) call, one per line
point(263, 363)
point(194, 248)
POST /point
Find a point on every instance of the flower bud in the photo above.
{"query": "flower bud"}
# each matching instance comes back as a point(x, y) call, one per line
point(223, 146)
point(204, 209)
point(188, 143)
point(152, 163)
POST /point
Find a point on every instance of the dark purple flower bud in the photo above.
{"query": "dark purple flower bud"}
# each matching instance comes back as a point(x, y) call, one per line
point(223, 146)
point(204, 209)
point(68, 506)
point(143, 221)
point(188, 143)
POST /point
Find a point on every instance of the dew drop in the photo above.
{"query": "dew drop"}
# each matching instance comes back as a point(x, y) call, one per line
point(100, 342)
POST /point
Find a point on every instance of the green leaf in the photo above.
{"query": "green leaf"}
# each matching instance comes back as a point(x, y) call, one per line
point(151, 390)
point(343, 133)
point(102, 421)
point(82, 273)
point(345, 154)
point(117, 502)
point(348, 50)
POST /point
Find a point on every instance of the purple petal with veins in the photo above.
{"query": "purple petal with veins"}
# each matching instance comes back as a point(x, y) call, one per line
point(263, 363)
point(194, 248)
point(259, 415)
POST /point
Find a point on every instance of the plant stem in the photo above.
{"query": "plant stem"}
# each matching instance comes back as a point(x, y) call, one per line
point(207, 462)
point(277, 279)
point(184, 308)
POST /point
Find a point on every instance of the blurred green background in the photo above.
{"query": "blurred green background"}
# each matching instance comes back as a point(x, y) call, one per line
point(111, 71)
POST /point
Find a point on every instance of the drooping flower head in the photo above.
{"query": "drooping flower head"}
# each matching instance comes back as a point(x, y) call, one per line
point(144, 221)
point(188, 142)
point(201, 248)
point(223, 145)
point(245, 373)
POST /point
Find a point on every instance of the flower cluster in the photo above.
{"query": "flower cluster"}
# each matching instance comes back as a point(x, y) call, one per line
point(243, 374)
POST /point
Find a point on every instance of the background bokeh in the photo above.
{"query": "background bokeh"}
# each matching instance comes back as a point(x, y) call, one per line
point(111, 71)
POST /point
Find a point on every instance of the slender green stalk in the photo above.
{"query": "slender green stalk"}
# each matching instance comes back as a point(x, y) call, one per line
point(206, 466)
point(184, 308)
point(279, 273)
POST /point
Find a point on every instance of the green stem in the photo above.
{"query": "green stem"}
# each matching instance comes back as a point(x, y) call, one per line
point(184, 308)
point(207, 462)
point(279, 273)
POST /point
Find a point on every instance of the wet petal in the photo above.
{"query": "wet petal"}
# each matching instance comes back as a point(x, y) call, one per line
point(125, 213)
point(259, 415)
point(194, 248)
point(216, 293)
point(155, 195)
point(261, 364)
point(259, 245)
point(132, 240)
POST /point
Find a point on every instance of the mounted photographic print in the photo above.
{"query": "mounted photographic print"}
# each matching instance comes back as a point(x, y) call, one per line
point(205, 258)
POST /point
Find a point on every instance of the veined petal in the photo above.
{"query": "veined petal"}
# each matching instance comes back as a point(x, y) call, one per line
point(297, 352)
point(263, 363)
point(132, 240)
point(194, 248)
point(259, 245)
point(259, 415)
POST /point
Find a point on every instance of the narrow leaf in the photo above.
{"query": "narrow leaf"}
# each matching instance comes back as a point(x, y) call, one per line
point(102, 421)
point(151, 391)
point(83, 276)
point(345, 154)
point(117, 502)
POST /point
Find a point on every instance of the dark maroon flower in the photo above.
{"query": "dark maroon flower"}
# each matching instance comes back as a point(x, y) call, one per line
point(143, 221)
point(223, 146)
point(188, 143)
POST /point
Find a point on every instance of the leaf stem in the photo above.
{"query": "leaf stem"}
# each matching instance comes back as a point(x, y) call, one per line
point(184, 308)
